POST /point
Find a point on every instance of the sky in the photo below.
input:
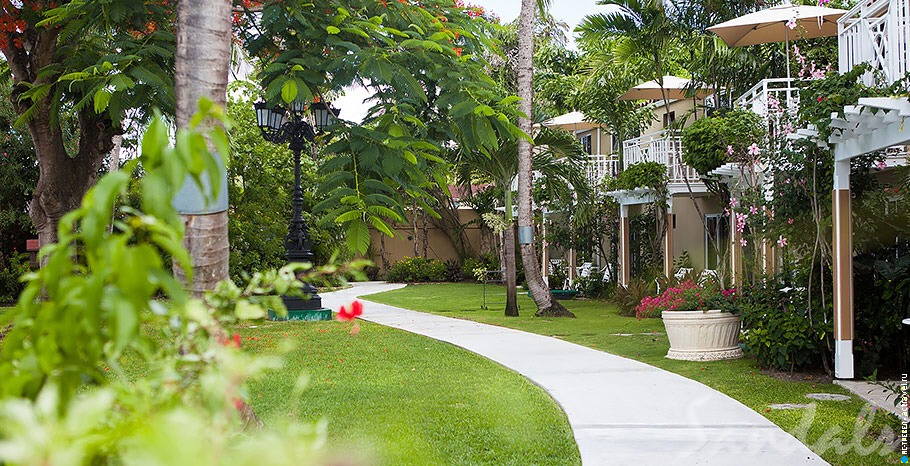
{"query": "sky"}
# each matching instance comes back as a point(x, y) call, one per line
point(569, 11)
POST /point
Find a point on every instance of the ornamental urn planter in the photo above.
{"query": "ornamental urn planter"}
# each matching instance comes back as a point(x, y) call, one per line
point(702, 335)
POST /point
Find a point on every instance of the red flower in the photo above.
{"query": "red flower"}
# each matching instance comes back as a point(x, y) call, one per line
point(458, 51)
point(347, 315)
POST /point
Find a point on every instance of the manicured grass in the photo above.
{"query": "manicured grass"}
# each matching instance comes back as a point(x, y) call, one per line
point(595, 327)
point(395, 398)
point(399, 398)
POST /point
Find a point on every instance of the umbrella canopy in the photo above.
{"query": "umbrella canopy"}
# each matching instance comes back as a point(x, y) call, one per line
point(774, 25)
point(674, 86)
point(574, 121)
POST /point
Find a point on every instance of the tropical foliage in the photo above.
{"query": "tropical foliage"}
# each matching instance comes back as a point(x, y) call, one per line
point(64, 390)
point(424, 67)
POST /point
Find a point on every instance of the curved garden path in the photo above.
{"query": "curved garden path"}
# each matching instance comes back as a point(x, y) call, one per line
point(621, 411)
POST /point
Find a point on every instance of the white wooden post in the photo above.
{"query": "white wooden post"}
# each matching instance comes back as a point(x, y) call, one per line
point(668, 240)
point(625, 257)
point(843, 271)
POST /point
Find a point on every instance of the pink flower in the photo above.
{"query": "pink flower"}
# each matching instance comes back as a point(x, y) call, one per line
point(753, 210)
point(734, 202)
point(790, 221)
point(791, 23)
point(728, 293)
point(823, 2)
point(743, 242)
point(729, 150)
point(781, 241)
point(754, 149)
point(881, 165)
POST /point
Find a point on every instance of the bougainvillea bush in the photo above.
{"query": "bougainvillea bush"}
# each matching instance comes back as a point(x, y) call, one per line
point(686, 296)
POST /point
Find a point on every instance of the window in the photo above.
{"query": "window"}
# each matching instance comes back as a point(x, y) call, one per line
point(717, 236)
point(586, 144)
point(669, 118)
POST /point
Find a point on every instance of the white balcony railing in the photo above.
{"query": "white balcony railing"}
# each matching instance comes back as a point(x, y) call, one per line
point(600, 167)
point(664, 147)
point(771, 96)
point(876, 32)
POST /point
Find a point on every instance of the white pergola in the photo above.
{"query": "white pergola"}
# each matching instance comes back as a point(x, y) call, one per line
point(874, 124)
point(627, 198)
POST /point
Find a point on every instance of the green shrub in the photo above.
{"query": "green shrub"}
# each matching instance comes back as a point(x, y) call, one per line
point(778, 332)
point(627, 298)
point(640, 175)
point(486, 261)
point(593, 286)
point(706, 141)
point(417, 269)
point(12, 267)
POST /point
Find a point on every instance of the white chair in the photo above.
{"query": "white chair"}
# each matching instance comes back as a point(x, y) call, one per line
point(682, 272)
point(585, 270)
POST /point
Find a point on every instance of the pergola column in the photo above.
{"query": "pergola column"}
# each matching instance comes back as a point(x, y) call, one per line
point(544, 252)
point(769, 257)
point(736, 252)
point(668, 240)
point(843, 271)
point(625, 254)
point(573, 265)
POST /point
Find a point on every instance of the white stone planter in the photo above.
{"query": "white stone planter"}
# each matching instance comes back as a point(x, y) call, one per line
point(702, 336)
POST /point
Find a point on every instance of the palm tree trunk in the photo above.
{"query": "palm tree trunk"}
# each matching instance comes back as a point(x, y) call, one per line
point(508, 256)
point(546, 305)
point(202, 63)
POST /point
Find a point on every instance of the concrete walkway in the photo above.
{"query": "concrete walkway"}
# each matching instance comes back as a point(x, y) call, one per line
point(621, 411)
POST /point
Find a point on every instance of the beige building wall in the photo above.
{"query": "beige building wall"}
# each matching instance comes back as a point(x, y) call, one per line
point(689, 234)
point(386, 251)
point(681, 108)
point(601, 140)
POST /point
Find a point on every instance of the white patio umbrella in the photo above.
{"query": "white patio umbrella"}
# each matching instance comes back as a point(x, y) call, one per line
point(777, 24)
point(573, 121)
point(674, 87)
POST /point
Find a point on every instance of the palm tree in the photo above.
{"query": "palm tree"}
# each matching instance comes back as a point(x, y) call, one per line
point(644, 35)
point(203, 61)
point(540, 292)
point(557, 159)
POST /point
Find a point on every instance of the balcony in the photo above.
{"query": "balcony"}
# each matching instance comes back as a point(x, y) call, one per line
point(770, 96)
point(876, 32)
point(664, 147)
point(599, 167)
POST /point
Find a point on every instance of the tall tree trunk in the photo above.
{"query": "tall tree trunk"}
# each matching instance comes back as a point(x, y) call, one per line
point(510, 268)
point(546, 305)
point(63, 179)
point(202, 64)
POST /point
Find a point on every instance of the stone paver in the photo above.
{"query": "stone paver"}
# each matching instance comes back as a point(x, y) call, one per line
point(874, 394)
point(621, 411)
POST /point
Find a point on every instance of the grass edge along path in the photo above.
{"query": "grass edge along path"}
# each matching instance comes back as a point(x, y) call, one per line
point(827, 427)
point(401, 398)
point(392, 397)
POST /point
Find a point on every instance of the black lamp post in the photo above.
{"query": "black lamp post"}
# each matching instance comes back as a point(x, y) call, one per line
point(293, 126)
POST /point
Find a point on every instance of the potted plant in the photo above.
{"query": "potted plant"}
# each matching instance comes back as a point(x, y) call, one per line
point(698, 321)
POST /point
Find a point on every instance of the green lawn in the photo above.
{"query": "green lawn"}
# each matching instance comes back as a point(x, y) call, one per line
point(395, 398)
point(399, 398)
point(597, 322)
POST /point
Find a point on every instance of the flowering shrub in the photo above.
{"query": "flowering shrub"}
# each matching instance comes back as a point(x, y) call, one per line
point(687, 296)
point(417, 269)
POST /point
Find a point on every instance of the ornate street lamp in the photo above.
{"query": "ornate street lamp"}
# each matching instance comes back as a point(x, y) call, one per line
point(297, 126)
